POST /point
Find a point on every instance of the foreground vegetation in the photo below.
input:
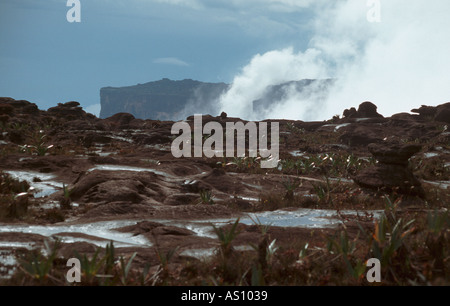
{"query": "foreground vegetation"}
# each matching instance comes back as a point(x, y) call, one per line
point(413, 249)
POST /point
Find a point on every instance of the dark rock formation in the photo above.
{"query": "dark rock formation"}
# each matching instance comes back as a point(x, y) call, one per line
point(394, 154)
point(121, 120)
point(365, 110)
point(107, 186)
point(69, 111)
point(392, 172)
point(9, 106)
point(162, 100)
point(425, 111)
point(439, 113)
point(350, 113)
point(443, 115)
point(368, 110)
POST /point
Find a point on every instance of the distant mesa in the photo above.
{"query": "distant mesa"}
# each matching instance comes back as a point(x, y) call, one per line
point(162, 100)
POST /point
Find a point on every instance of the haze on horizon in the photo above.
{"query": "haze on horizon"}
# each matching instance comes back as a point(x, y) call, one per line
point(398, 63)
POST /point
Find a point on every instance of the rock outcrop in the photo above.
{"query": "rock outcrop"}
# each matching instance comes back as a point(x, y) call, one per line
point(391, 173)
point(365, 110)
point(439, 113)
point(69, 111)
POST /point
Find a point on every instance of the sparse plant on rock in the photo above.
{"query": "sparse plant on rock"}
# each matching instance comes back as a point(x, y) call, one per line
point(38, 146)
point(206, 197)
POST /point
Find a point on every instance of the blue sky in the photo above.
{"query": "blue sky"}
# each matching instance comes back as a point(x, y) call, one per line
point(398, 63)
point(46, 60)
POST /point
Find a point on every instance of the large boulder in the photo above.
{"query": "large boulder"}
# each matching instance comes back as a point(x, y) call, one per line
point(394, 154)
point(68, 111)
point(112, 186)
point(440, 113)
point(358, 135)
point(120, 120)
point(425, 111)
point(365, 110)
point(9, 105)
point(443, 115)
point(391, 173)
point(368, 110)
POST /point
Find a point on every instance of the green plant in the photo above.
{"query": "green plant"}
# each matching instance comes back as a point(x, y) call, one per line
point(323, 191)
point(125, 268)
point(436, 221)
point(244, 164)
point(206, 197)
point(226, 238)
point(38, 145)
point(437, 237)
point(290, 185)
point(66, 200)
point(272, 248)
point(145, 277)
point(346, 248)
point(96, 268)
point(90, 268)
point(293, 129)
point(389, 237)
point(262, 227)
point(287, 165)
point(306, 166)
point(164, 258)
point(109, 258)
point(303, 250)
point(38, 266)
point(257, 276)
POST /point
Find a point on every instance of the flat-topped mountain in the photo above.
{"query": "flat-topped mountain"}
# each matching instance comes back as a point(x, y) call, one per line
point(164, 100)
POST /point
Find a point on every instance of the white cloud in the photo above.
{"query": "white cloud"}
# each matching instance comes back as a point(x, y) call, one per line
point(271, 68)
point(170, 61)
point(93, 109)
point(194, 4)
point(399, 64)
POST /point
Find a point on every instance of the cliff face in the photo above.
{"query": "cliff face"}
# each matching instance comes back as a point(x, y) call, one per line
point(162, 100)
